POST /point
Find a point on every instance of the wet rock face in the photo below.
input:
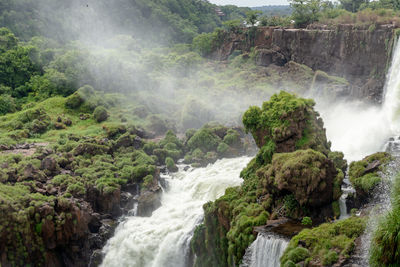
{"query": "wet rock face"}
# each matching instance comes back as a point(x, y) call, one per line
point(359, 55)
point(148, 202)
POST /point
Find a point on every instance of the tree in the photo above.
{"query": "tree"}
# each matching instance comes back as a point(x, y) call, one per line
point(305, 11)
point(233, 25)
point(252, 17)
point(353, 5)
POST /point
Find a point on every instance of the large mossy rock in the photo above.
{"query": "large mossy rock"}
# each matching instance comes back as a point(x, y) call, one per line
point(287, 123)
point(291, 176)
point(363, 174)
point(325, 245)
point(306, 174)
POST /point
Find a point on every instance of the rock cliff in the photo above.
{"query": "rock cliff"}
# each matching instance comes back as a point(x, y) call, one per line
point(358, 54)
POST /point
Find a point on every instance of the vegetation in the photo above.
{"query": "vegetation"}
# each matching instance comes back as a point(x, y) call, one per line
point(275, 183)
point(99, 117)
point(324, 245)
point(364, 175)
point(180, 21)
point(384, 246)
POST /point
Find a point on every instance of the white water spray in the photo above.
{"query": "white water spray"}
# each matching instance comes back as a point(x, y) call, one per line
point(359, 129)
point(391, 103)
point(265, 251)
point(163, 239)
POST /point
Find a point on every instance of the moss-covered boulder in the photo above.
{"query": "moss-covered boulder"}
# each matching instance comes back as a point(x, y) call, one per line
point(288, 122)
point(324, 245)
point(100, 114)
point(213, 141)
point(364, 175)
point(306, 174)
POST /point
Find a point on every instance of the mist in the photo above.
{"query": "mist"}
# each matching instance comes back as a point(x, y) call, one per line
point(172, 84)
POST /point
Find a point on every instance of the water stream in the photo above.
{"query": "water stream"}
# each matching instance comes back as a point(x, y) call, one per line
point(163, 239)
point(265, 251)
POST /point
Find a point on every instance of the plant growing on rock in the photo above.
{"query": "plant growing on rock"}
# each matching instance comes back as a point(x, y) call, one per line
point(364, 175)
point(100, 114)
point(324, 244)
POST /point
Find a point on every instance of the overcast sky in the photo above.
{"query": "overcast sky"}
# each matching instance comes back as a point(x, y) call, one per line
point(249, 3)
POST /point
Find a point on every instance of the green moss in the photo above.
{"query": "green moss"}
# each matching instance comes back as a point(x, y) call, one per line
point(330, 258)
point(222, 148)
point(365, 182)
point(232, 137)
point(100, 114)
point(296, 255)
point(336, 209)
point(338, 158)
point(74, 101)
point(147, 181)
point(325, 243)
point(306, 221)
point(203, 139)
point(272, 114)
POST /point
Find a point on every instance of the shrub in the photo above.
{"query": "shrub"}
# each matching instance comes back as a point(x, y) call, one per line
point(74, 101)
point(171, 165)
point(100, 114)
point(222, 148)
point(330, 258)
point(7, 104)
point(203, 139)
point(306, 221)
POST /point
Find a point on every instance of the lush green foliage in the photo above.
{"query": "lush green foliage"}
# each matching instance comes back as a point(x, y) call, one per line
point(161, 20)
point(305, 11)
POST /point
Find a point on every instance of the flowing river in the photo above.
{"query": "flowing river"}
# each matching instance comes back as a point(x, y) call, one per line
point(163, 239)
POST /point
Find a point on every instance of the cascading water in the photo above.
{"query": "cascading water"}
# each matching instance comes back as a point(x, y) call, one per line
point(265, 251)
point(163, 239)
point(391, 104)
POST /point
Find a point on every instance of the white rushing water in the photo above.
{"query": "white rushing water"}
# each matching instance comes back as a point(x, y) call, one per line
point(162, 240)
point(265, 251)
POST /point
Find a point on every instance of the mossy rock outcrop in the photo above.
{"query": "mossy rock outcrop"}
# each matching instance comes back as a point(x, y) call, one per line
point(287, 122)
point(364, 174)
point(291, 176)
point(325, 245)
point(214, 141)
point(306, 174)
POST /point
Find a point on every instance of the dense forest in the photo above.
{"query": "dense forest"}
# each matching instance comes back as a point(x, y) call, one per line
point(99, 100)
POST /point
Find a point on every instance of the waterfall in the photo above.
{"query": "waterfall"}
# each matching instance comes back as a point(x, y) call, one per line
point(391, 104)
point(163, 239)
point(265, 251)
point(359, 129)
point(391, 110)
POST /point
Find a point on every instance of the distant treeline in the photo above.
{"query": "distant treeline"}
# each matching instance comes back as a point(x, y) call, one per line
point(167, 20)
point(275, 10)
